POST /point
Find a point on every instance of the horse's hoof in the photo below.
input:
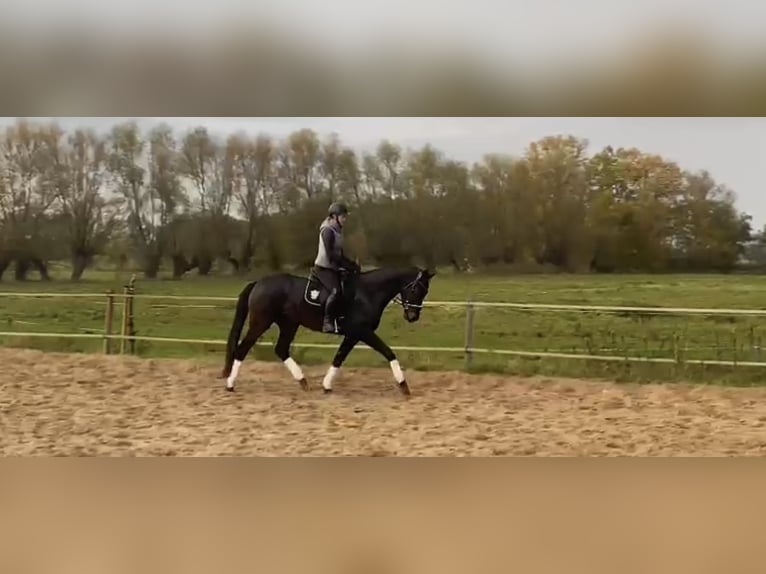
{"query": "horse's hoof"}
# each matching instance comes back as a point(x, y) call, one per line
point(304, 384)
point(328, 391)
point(230, 389)
point(404, 388)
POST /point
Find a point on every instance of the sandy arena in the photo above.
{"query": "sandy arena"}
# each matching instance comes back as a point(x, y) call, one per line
point(57, 404)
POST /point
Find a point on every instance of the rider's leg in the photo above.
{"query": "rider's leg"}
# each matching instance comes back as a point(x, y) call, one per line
point(330, 310)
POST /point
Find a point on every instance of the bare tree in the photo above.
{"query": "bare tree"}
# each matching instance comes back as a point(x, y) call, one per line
point(165, 186)
point(25, 200)
point(390, 158)
point(329, 165)
point(299, 165)
point(151, 202)
point(254, 179)
point(211, 169)
point(76, 169)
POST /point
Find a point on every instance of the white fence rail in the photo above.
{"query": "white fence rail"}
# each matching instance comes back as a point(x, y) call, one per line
point(476, 304)
point(468, 349)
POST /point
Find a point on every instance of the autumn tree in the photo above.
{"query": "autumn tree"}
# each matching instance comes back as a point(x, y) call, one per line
point(633, 197)
point(708, 233)
point(558, 180)
point(507, 228)
point(193, 199)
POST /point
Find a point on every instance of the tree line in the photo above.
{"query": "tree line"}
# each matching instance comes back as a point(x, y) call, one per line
point(193, 202)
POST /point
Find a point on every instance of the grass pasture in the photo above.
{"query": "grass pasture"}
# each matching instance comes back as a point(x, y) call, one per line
point(677, 336)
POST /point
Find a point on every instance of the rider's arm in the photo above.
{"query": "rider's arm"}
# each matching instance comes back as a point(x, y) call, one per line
point(349, 264)
point(346, 262)
point(341, 261)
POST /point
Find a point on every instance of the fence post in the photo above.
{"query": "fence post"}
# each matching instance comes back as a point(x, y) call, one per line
point(124, 321)
point(108, 317)
point(131, 326)
point(469, 311)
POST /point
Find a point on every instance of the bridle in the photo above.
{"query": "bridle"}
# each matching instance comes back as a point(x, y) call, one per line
point(406, 305)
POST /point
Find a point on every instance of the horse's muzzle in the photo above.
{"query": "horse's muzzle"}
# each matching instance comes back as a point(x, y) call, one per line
point(411, 315)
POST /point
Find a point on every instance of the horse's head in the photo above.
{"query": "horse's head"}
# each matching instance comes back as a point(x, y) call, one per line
point(414, 293)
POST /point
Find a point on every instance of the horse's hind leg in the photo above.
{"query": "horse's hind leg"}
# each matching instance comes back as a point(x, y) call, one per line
point(287, 333)
point(254, 332)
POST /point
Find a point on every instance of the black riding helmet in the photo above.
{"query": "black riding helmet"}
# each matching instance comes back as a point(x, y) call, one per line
point(337, 209)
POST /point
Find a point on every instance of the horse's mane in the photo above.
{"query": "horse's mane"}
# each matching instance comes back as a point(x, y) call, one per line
point(392, 270)
point(371, 273)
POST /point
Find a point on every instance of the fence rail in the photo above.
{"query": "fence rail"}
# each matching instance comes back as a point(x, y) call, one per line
point(128, 335)
point(455, 350)
point(476, 304)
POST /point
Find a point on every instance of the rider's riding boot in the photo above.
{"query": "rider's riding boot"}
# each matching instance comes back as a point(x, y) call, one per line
point(328, 325)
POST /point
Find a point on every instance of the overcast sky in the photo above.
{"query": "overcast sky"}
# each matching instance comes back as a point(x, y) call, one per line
point(732, 149)
point(522, 31)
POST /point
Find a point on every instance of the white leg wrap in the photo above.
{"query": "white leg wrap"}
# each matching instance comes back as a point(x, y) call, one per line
point(294, 369)
point(233, 376)
point(332, 372)
point(397, 370)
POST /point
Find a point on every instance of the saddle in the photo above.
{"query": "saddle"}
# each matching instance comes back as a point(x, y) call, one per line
point(316, 293)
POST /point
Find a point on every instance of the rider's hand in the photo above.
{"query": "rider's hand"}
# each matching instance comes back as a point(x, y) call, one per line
point(351, 267)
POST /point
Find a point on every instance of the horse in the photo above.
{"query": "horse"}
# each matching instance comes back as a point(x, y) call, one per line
point(292, 302)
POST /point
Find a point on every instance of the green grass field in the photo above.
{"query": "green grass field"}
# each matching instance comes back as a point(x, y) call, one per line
point(721, 337)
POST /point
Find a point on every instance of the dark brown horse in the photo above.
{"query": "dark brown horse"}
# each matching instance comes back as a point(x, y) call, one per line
point(292, 302)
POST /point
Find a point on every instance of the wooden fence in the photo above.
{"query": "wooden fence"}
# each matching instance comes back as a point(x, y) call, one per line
point(127, 336)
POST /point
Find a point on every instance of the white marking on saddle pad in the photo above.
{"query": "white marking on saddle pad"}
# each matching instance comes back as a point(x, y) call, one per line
point(315, 294)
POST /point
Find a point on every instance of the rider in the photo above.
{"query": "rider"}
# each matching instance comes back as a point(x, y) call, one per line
point(331, 261)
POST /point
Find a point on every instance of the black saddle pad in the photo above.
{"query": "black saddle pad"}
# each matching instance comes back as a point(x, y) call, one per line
point(316, 293)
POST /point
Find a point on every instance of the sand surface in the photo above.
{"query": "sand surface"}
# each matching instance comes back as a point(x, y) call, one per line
point(59, 404)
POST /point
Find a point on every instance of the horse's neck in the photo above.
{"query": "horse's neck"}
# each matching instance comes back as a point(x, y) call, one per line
point(387, 283)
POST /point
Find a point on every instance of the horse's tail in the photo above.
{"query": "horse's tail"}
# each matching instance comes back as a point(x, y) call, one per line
point(240, 316)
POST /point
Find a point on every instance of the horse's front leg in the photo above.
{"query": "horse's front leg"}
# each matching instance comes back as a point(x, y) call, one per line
point(345, 348)
point(376, 343)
